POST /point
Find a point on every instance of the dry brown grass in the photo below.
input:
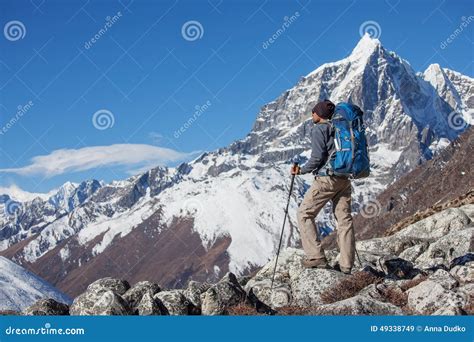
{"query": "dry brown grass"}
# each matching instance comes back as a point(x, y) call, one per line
point(242, 310)
point(348, 287)
point(469, 308)
point(248, 310)
point(413, 282)
point(395, 297)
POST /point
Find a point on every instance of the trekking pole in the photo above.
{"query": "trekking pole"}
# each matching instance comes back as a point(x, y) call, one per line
point(295, 165)
point(358, 257)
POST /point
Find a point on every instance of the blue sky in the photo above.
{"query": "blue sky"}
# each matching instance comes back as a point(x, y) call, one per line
point(150, 76)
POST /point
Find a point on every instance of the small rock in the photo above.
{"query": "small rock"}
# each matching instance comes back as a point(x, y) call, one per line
point(47, 307)
point(414, 252)
point(115, 285)
point(148, 305)
point(445, 279)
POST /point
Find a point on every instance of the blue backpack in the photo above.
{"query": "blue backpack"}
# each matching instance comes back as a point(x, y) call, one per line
point(351, 156)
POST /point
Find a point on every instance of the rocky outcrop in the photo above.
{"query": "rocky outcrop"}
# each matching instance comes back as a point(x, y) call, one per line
point(219, 297)
point(426, 268)
point(134, 295)
point(47, 307)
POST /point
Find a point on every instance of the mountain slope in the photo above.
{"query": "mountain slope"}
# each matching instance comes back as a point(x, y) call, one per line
point(445, 178)
point(230, 202)
point(20, 288)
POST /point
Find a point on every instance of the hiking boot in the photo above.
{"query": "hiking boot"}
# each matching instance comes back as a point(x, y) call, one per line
point(347, 271)
point(314, 263)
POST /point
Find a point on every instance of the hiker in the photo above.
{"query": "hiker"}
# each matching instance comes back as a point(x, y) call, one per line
point(325, 188)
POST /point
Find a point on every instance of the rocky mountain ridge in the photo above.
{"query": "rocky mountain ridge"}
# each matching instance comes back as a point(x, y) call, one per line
point(426, 268)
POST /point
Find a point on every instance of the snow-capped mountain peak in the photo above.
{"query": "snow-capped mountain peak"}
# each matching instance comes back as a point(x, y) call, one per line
point(228, 204)
point(365, 48)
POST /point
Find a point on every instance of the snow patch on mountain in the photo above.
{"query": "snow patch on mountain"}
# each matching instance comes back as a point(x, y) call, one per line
point(20, 288)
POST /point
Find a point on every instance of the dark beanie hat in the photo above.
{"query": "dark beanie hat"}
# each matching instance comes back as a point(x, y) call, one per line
point(324, 109)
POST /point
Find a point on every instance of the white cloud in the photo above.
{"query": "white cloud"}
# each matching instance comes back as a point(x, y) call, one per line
point(15, 192)
point(71, 160)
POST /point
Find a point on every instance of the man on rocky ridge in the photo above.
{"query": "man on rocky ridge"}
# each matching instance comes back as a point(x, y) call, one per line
point(325, 188)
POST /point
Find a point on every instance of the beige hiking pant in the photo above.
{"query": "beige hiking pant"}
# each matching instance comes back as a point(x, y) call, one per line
point(324, 189)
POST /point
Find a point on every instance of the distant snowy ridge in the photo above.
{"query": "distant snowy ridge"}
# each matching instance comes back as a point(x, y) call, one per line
point(20, 288)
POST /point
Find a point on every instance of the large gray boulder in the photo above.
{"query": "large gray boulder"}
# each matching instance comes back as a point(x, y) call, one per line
point(115, 285)
point(47, 307)
point(358, 305)
point(440, 252)
point(429, 296)
point(308, 284)
point(463, 273)
point(437, 225)
point(99, 302)
point(444, 278)
point(221, 296)
point(133, 296)
point(294, 284)
point(172, 302)
point(194, 290)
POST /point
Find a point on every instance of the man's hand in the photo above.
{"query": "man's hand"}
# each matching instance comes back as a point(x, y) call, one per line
point(295, 170)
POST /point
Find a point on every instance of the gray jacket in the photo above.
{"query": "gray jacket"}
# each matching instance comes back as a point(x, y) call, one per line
point(322, 145)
